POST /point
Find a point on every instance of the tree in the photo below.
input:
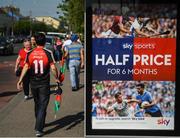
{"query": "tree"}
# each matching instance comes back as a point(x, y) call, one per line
point(38, 27)
point(23, 27)
point(73, 14)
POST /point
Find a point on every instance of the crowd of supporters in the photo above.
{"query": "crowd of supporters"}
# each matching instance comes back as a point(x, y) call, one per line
point(102, 23)
point(162, 17)
point(146, 10)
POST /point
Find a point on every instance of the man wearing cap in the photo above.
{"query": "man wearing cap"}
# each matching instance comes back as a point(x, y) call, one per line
point(76, 60)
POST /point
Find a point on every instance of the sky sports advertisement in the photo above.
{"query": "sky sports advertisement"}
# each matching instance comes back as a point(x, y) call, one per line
point(134, 67)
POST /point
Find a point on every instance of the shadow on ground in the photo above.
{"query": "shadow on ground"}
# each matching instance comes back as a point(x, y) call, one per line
point(70, 121)
point(8, 93)
point(81, 86)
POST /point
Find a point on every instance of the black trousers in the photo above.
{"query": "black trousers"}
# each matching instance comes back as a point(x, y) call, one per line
point(26, 81)
point(41, 98)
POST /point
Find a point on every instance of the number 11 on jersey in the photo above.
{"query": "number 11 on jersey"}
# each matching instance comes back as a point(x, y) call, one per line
point(38, 65)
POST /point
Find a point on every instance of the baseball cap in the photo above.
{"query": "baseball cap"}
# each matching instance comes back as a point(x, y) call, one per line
point(74, 37)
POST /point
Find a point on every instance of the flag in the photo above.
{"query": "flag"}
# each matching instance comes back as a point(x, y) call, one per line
point(62, 70)
point(58, 100)
point(61, 77)
point(62, 66)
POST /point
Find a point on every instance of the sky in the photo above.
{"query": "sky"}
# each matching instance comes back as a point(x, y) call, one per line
point(37, 7)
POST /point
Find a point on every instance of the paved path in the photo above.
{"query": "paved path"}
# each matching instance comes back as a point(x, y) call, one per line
point(17, 117)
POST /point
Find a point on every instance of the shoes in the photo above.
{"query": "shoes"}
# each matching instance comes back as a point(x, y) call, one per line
point(74, 88)
point(26, 97)
point(39, 133)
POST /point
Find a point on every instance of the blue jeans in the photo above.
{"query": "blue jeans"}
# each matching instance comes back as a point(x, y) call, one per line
point(74, 68)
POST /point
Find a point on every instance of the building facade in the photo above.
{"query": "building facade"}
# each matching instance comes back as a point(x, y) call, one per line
point(55, 23)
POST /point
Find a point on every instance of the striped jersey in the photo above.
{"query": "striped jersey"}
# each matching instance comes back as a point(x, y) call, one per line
point(74, 51)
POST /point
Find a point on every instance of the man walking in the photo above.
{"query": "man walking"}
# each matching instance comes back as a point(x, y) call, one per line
point(64, 47)
point(75, 53)
point(39, 61)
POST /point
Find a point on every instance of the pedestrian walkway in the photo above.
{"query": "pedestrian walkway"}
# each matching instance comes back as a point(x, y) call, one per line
point(17, 117)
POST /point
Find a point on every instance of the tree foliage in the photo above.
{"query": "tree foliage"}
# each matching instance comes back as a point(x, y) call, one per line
point(24, 27)
point(72, 13)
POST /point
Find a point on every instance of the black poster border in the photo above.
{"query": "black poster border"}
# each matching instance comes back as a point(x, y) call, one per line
point(127, 132)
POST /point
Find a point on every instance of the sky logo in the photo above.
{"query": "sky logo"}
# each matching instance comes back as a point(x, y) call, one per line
point(127, 46)
point(163, 121)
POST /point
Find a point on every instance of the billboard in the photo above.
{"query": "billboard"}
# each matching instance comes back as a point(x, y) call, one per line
point(133, 69)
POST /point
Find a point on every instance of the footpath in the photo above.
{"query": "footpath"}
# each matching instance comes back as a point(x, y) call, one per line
point(17, 117)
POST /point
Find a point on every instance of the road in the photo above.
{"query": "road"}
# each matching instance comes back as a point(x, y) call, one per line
point(17, 116)
point(7, 76)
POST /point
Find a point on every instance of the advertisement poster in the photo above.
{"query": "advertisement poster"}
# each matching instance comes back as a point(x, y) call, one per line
point(134, 66)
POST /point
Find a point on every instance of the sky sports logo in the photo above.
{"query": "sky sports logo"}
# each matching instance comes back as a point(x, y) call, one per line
point(163, 121)
point(134, 59)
